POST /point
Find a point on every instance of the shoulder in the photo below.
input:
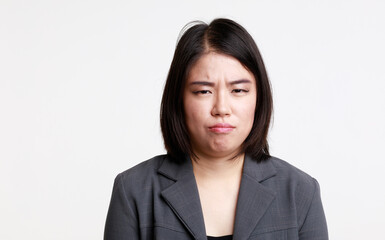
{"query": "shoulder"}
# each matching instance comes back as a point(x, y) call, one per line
point(300, 191)
point(292, 183)
point(141, 175)
point(288, 172)
point(295, 185)
point(146, 167)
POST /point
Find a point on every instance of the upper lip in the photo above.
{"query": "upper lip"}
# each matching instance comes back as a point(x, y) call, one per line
point(222, 125)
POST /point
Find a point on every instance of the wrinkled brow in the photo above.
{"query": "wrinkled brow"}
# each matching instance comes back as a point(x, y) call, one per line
point(204, 83)
point(211, 84)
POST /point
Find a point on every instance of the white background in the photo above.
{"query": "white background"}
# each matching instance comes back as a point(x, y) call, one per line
point(80, 89)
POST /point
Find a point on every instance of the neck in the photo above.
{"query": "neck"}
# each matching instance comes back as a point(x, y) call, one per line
point(218, 167)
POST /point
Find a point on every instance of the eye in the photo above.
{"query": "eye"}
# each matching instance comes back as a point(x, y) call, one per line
point(240, 91)
point(202, 92)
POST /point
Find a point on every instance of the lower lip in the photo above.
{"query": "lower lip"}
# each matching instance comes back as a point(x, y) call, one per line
point(221, 129)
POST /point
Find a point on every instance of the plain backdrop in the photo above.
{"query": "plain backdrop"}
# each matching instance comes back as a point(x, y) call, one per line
point(81, 84)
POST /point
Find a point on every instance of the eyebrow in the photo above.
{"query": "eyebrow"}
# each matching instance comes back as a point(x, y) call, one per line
point(205, 83)
point(240, 81)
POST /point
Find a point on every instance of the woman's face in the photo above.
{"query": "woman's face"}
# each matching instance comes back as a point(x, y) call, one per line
point(219, 104)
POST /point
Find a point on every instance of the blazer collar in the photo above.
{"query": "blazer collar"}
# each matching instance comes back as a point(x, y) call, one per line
point(253, 197)
point(183, 198)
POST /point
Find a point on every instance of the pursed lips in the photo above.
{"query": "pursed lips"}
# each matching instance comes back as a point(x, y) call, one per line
point(221, 128)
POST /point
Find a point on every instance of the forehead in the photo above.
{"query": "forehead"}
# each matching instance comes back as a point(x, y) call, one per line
point(216, 66)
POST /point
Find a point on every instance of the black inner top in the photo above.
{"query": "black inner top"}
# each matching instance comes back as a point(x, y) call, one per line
point(228, 237)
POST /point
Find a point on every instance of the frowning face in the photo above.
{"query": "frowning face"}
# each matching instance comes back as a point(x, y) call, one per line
point(219, 105)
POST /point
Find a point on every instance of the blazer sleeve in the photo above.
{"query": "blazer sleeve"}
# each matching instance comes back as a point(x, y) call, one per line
point(314, 226)
point(121, 220)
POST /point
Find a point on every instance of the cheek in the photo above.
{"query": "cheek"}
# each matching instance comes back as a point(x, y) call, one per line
point(247, 111)
point(248, 118)
point(196, 115)
point(193, 113)
point(251, 111)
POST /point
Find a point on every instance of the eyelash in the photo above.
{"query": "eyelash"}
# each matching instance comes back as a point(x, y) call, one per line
point(201, 92)
point(240, 90)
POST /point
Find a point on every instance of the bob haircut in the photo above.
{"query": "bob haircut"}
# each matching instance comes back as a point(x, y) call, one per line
point(226, 37)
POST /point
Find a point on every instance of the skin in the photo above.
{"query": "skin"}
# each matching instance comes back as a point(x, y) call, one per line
point(219, 90)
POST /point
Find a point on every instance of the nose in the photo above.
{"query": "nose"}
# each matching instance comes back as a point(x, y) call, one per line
point(221, 106)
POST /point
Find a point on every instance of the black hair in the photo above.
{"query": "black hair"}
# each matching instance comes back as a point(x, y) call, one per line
point(227, 37)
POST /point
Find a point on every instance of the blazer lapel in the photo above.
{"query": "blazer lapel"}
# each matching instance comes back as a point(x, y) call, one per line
point(183, 197)
point(253, 197)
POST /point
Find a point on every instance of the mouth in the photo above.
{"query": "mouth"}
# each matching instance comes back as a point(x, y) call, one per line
point(221, 128)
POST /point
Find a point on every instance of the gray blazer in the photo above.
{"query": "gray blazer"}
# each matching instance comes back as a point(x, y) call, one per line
point(158, 199)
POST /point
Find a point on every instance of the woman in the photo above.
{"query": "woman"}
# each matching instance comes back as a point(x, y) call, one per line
point(218, 180)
